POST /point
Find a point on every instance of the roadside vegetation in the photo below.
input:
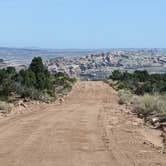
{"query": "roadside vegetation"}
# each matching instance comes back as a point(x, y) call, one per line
point(146, 93)
point(140, 82)
point(34, 83)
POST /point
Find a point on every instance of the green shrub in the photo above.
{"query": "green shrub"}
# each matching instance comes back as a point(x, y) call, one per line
point(36, 82)
point(116, 75)
point(140, 82)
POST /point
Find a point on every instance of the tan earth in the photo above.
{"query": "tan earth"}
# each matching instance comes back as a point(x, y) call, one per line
point(88, 129)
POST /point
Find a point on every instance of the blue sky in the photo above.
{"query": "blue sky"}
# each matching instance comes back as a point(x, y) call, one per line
point(83, 23)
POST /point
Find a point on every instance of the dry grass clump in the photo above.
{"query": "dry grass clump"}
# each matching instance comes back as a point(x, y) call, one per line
point(5, 107)
point(125, 96)
point(148, 104)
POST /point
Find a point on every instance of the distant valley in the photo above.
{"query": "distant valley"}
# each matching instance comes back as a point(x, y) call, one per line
point(88, 64)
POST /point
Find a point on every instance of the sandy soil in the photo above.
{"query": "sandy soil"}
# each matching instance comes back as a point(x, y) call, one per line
point(88, 129)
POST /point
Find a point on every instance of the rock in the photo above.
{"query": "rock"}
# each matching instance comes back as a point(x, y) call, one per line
point(155, 119)
point(61, 100)
point(24, 105)
point(27, 100)
point(20, 102)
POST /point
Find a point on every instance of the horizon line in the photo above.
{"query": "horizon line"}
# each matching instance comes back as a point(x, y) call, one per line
point(45, 48)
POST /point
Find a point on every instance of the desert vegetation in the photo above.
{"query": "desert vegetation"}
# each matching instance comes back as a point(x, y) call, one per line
point(140, 82)
point(34, 83)
point(145, 92)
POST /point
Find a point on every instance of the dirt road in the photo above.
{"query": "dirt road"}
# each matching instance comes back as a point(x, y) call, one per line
point(87, 129)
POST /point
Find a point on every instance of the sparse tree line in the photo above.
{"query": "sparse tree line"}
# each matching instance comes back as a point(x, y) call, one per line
point(36, 82)
point(140, 82)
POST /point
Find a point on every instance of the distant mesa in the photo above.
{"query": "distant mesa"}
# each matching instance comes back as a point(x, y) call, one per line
point(100, 66)
point(88, 64)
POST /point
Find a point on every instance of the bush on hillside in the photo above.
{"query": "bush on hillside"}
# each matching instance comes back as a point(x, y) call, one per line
point(140, 82)
point(36, 82)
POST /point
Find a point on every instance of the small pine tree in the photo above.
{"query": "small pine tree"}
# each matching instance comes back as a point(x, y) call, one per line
point(37, 65)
